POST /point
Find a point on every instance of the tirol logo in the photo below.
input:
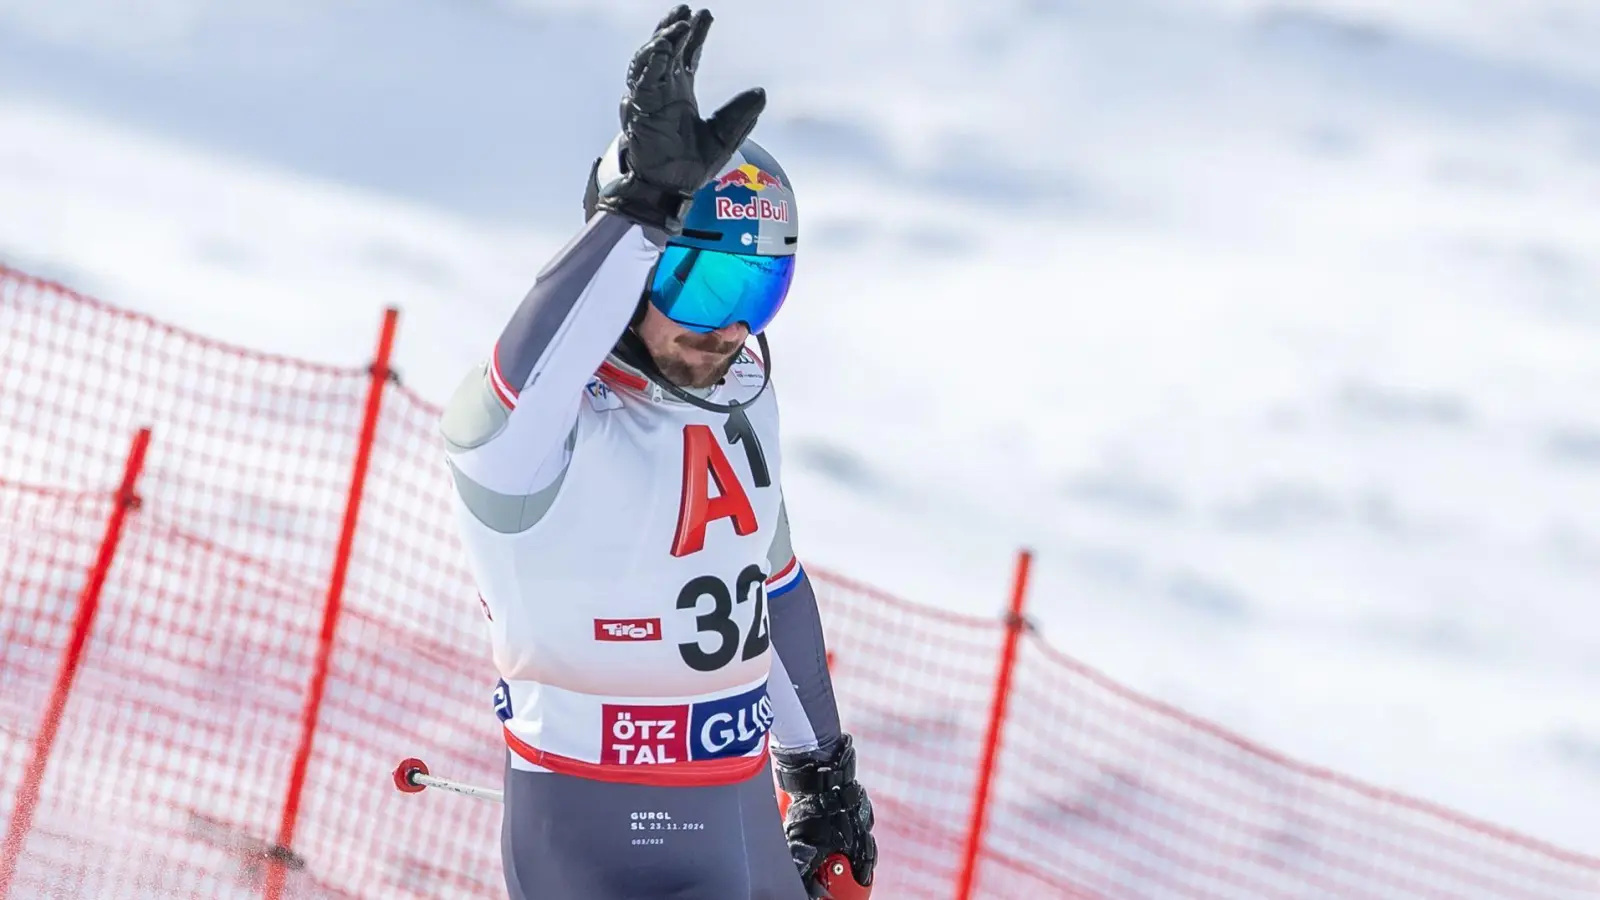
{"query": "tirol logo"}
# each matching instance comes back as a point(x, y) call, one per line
point(627, 629)
point(636, 735)
point(502, 700)
point(759, 208)
point(731, 726)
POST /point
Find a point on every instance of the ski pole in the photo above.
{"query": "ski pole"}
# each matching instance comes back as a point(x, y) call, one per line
point(411, 776)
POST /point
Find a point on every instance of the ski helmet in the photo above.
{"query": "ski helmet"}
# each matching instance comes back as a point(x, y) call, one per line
point(734, 261)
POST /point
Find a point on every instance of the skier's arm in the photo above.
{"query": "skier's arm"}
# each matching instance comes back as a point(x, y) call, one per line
point(512, 413)
point(815, 764)
point(506, 425)
point(805, 714)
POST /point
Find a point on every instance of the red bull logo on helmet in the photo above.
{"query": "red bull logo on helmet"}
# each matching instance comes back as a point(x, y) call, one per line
point(759, 208)
point(755, 179)
point(747, 176)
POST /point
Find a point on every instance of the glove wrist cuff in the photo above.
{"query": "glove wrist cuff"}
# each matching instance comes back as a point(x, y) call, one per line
point(811, 776)
point(639, 201)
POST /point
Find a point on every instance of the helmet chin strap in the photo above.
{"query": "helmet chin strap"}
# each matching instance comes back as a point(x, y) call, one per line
point(631, 348)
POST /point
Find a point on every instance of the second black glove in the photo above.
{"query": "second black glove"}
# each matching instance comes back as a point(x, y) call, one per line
point(829, 813)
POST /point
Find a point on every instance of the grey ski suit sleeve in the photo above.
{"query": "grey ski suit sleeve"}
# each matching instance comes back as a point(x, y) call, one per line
point(507, 426)
point(806, 715)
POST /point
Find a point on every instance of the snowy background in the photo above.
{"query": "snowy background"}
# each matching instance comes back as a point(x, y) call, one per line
point(1274, 327)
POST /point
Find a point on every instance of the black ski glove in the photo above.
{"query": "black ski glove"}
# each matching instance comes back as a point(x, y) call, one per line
point(668, 152)
point(829, 812)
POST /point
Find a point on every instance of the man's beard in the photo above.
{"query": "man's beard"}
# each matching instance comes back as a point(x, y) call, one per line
point(683, 374)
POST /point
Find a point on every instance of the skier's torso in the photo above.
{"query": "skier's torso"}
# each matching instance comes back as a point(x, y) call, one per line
point(627, 596)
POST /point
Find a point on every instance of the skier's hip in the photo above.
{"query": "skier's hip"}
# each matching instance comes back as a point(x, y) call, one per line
point(568, 837)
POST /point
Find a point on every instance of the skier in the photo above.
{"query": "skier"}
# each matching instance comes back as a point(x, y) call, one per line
point(617, 476)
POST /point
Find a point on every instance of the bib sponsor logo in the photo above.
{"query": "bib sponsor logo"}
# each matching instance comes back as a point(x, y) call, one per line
point(502, 701)
point(732, 726)
point(745, 369)
point(643, 735)
point(747, 374)
point(601, 396)
point(637, 735)
point(627, 629)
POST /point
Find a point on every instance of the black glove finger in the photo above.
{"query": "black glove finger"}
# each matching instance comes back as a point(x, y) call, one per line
point(636, 66)
point(650, 92)
point(865, 859)
point(808, 860)
point(677, 34)
point(656, 47)
point(731, 124)
point(699, 26)
point(679, 13)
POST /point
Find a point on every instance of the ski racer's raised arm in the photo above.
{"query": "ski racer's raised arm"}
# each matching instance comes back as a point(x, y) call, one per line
point(515, 409)
point(507, 420)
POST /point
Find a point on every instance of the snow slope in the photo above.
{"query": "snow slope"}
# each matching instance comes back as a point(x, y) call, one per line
point(1272, 326)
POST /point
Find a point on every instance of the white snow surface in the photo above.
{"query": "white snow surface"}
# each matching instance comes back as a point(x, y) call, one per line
point(1273, 327)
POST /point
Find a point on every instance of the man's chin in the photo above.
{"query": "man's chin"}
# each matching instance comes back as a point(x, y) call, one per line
point(696, 377)
point(711, 378)
point(713, 375)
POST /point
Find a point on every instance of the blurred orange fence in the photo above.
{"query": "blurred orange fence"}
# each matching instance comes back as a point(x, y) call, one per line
point(219, 636)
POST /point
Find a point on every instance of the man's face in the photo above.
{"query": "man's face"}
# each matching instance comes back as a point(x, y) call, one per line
point(692, 359)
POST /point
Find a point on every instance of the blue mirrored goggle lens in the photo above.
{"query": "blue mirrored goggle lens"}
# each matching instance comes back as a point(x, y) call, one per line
point(704, 290)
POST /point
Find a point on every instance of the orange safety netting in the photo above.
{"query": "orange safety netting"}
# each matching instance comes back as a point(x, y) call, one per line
point(175, 760)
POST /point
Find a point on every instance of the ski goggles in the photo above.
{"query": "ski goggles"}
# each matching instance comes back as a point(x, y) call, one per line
point(703, 290)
